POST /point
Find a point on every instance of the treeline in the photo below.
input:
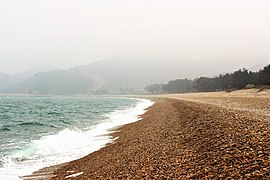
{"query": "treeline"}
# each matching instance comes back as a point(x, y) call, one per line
point(239, 79)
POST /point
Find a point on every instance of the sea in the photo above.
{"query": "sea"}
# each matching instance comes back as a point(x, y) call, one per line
point(40, 131)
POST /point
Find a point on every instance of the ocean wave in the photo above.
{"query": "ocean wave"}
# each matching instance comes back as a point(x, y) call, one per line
point(35, 124)
point(5, 129)
point(64, 121)
point(54, 113)
point(31, 124)
point(70, 143)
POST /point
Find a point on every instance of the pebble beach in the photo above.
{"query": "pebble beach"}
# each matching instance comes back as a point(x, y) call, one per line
point(191, 136)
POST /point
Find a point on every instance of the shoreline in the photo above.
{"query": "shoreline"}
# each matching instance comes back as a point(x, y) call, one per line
point(106, 129)
point(180, 139)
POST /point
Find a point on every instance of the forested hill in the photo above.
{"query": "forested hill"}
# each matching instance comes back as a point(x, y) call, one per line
point(126, 74)
point(239, 79)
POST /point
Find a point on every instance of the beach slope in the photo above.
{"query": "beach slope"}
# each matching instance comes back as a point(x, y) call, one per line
point(185, 137)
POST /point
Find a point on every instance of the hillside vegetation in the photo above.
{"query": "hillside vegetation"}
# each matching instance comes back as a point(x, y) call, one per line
point(239, 79)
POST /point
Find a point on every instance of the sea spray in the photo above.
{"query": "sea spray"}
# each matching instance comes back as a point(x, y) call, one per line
point(86, 130)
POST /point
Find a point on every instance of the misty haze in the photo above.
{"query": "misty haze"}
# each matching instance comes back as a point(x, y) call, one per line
point(132, 43)
point(134, 89)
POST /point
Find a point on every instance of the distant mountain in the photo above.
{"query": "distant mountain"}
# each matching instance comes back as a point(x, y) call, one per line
point(28, 73)
point(136, 72)
point(7, 80)
point(54, 82)
point(108, 75)
point(126, 72)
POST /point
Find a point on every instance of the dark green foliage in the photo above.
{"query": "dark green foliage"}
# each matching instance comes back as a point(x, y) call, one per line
point(225, 81)
point(254, 78)
point(264, 76)
point(239, 79)
point(178, 86)
point(205, 84)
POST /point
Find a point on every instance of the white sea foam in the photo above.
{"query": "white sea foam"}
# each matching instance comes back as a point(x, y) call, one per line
point(74, 175)
point(68, 144)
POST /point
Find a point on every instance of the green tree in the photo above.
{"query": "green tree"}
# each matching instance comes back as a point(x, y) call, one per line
point(178, 86)
point(225, 81)
point(206, 84)
point(240, 78)
point(264, 76)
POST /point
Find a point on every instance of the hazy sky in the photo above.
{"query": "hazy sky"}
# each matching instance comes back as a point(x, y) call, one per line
point(67, 33)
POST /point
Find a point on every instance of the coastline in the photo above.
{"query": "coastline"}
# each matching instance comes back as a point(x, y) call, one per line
point(178, 138)
point(100, 133)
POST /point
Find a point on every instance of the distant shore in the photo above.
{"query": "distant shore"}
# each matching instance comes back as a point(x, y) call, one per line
point(184, 136)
